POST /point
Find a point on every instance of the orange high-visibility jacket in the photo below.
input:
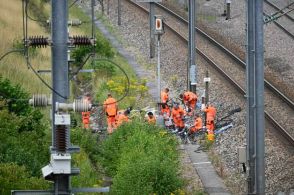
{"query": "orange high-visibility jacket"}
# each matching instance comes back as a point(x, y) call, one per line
point(177, 115)
point(152, 120)
point(164, 97)
point(189, 96)
point(121, 118)
point(210, 113)
point(166, 111)
point(110, 106)
point(198, 123)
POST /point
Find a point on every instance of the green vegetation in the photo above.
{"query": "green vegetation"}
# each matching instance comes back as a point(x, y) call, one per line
point(20, 126)
point(142, 159)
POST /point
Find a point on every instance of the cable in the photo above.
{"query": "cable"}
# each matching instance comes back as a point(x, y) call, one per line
point(33, 19)
point(25, 27)
point(73, 3)
point(9, 52)
point(81, 66)
point(127, 87)
point(44, 82)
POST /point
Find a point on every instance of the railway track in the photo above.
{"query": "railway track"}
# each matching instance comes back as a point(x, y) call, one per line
point(235, 66)
point(285, 23)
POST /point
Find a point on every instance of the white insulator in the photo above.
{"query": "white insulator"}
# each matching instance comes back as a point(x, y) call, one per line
point(81, 106)
point(39, 100)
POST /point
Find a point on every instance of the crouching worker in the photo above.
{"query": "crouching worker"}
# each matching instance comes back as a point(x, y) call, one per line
point(197, 126)
point(151, 118)
point(177, 115)
point(122, 117)
point(110, 109)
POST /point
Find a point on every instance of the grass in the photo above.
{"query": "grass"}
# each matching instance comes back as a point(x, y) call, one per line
point(13, 66)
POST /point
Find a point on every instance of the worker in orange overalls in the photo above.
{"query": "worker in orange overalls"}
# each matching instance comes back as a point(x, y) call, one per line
point(197, 124)
point(165, 111)
point(164, 95)
point(122, 116)
point(151, 118)
point(177, 115)
point(210, 116)
point(190, 99)
point(86, 115)
point(110, 108)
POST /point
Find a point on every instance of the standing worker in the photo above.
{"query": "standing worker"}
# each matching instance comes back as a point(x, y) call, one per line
point(110, 108)
point(210, 116)
point(164, 95)
point(190, 99)
point(177, 115)
point(86, 115)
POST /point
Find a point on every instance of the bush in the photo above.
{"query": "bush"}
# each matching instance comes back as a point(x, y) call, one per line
point(14, 177)
point(142, 160)
point(20, 126)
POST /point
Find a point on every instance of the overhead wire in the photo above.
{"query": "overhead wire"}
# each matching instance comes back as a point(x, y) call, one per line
point(25, 35)
point(26, 55)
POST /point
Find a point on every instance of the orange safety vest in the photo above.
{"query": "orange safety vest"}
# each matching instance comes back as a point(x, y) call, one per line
point(164, 97)
point(121, 118)
point(152, 120)
point(189, 96)
point(110, 106)
point(197, 124)
point(165, 111)
point(210, 112)
point(177, 115)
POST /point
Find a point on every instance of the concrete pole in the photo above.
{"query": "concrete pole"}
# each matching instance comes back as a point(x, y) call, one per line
point(60, 80)
point(191, 64)
point(119, 12)
point(250, 83)
point(152, 28)
point(158, 69)
point(259, 91)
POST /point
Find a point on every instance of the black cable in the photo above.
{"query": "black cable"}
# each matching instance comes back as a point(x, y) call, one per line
point(33, 19)
point(127, 87)
point(9, 52)
point(44, 82)
point(27, 56)
point(73, 3)
point(81, 66)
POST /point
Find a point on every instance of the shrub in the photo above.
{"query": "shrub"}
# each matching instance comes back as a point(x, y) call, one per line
point(14, 177)
point(142, 160)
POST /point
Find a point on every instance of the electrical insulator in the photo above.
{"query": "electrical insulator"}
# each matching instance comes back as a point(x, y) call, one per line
point(38, 41)
point(81, 41)
point(40, 100)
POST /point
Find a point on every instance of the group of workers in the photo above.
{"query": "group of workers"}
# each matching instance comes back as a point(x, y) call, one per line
point(177, 113)
point(116, 117)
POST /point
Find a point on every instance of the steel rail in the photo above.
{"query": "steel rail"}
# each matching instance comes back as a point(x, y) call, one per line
point(281, 27)
point(228, 78)
point(270, 86)
point(278, 9)
point(278, 24)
